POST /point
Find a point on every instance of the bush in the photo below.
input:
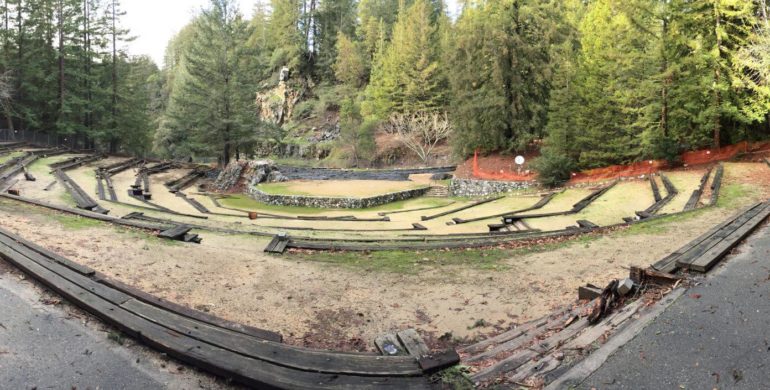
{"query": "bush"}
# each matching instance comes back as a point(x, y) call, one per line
point(554, 169)
point(667, 149)
point(304, 109)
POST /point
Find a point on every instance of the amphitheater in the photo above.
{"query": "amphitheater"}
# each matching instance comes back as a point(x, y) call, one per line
point(373, 278)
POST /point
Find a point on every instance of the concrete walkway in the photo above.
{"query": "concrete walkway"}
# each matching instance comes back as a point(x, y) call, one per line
point(43, 347)
point(716, 336)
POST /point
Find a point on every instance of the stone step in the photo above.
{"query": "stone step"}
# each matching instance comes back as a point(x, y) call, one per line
point(438, 192)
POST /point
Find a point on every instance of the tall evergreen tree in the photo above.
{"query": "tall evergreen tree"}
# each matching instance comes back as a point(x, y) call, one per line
point(408, 75)
point(501, 72)
point(211, 100)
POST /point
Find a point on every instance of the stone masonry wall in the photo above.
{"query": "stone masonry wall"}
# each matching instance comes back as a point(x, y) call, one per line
point(476, 188)
point(336, 203)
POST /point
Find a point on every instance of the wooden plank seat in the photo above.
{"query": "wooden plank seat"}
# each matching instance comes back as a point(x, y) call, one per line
point(278, 244)
point(249, 360)
point(671, 193)
point(703, 256)
point(157, 168)
point(75, 162)
point(692, 203)
point(583, 223)
point(456, 210)
point(82, 200)
point(540, 204)
point(716, 185)
point(175, 233)
point(655, 189)
point(576, 208)
point(110, 187)
point(122, 166)
point(9, 171)
point(192, 202)
point(186, 180)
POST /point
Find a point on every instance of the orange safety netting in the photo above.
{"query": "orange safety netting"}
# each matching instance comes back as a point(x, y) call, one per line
point(502, 174)
point(698, 157)
point(613, 171)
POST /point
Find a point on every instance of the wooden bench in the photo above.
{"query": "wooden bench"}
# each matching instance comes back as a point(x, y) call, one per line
point(241, 355)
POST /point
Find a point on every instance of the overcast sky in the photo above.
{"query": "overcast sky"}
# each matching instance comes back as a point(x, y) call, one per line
point(154, 22)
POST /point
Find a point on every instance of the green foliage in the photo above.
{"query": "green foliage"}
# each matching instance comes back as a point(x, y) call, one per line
point(553, 168)
point(407, 74)
point(351, 65)
point(501, 72)
point(210, 111)
point(356, 134)
point(602, 81)
point(70, 79)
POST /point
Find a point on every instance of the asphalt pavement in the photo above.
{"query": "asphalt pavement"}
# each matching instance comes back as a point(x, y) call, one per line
point(43, 347)
point(716, 336)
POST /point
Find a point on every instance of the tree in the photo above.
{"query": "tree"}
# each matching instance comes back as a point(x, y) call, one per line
point(408, 76)
point(350, 67)
point(211, 100)
point(707, 36)
point(288, 44)
point(421, 132)
point(502, 71)
point(356, 135)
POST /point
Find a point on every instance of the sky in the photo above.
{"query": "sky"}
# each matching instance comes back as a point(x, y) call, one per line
point(155, 22)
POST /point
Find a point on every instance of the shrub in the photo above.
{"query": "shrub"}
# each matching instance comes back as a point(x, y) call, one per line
point(554, 169)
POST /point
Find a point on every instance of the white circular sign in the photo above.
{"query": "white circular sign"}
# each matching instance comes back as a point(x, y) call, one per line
point(519, 160)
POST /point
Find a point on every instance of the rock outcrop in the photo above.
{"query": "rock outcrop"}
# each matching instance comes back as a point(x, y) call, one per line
point(249, 173)
point(276, 105)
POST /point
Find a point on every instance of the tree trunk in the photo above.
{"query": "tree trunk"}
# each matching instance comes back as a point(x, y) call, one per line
point(666, 82)
point(114, 110)
point(20, 58)
point(718, 80)
point(61, 58)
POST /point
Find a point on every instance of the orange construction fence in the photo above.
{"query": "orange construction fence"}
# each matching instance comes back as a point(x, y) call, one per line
point(698, 157)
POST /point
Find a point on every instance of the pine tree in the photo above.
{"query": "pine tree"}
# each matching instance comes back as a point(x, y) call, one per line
point(708, 35)
point(501, 72)
point(288, 44)
point(408, 76)
point(350, 67)
point(211, 100)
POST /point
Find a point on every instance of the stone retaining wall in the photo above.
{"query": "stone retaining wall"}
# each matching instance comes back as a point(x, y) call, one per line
point(477, 188)
point(302, 173)
point(334, 203)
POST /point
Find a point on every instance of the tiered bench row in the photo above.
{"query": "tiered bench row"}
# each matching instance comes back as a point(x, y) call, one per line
point(249, 356)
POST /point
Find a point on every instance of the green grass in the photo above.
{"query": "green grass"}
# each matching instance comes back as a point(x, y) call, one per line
point(661, 225)
point(730, 195)
point(281, 189)
point(246, 203)
point(410, 262)
point(41, 166)
point(456, 378)
point(402, 204)
point(9, 156)
point(74, 222)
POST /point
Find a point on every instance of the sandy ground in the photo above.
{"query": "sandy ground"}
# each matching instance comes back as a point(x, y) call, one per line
point(319, 304)
point(345, 307)
point(354, 188)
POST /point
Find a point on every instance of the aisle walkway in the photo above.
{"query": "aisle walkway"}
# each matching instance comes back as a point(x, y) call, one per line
point(42, 347)
point(716, 336)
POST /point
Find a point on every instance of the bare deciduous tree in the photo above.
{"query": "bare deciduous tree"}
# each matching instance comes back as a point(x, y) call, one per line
point(421, 131)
